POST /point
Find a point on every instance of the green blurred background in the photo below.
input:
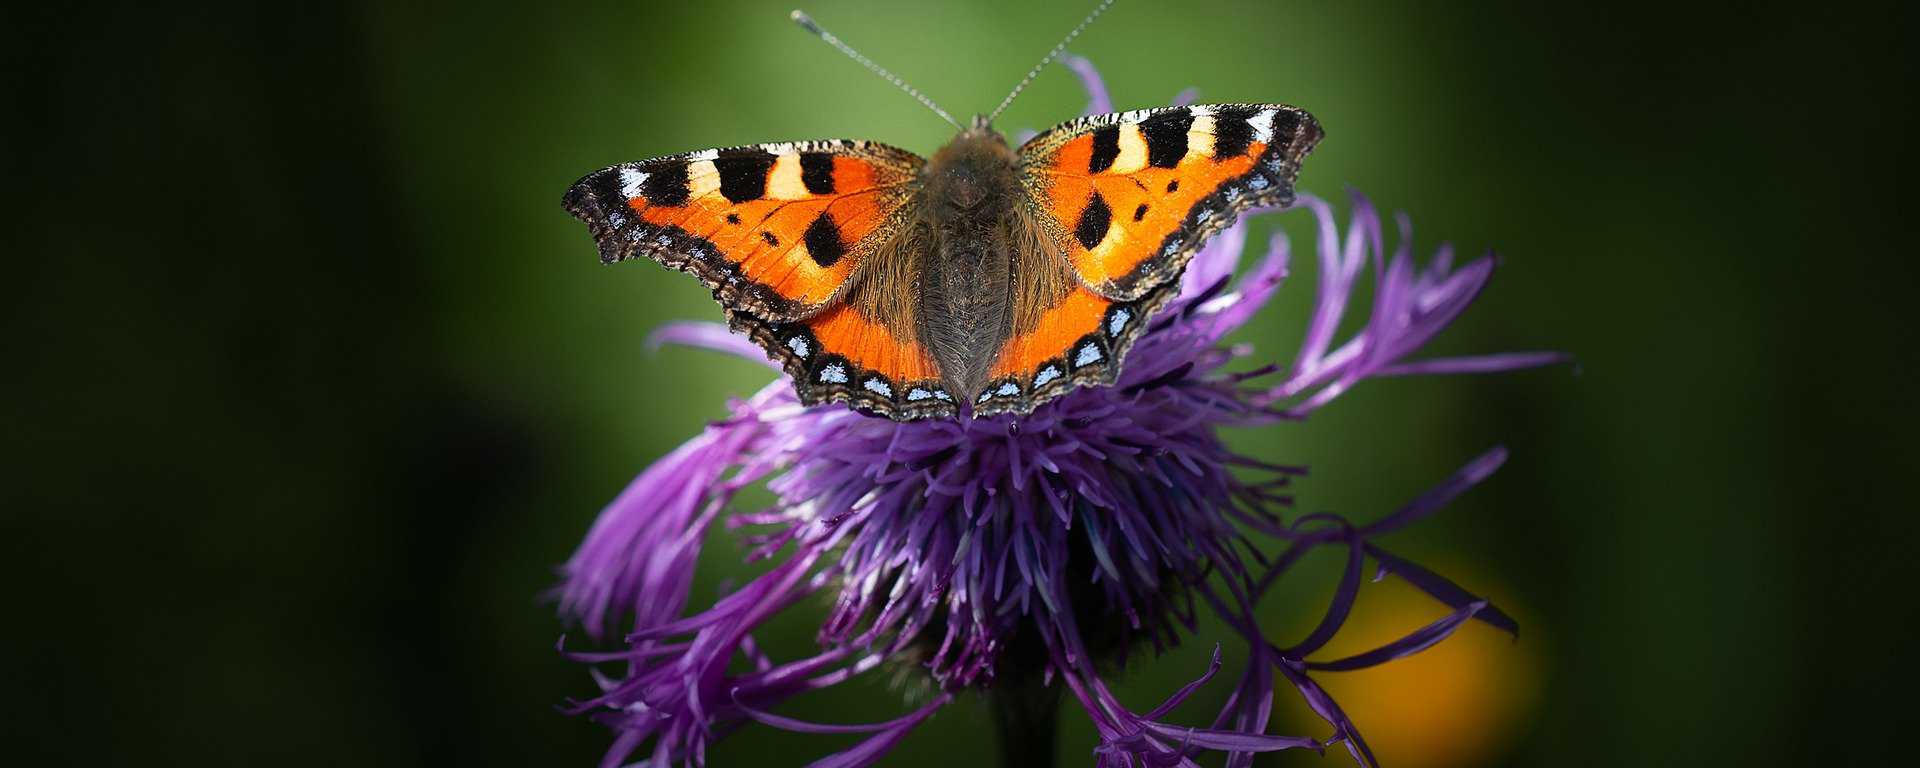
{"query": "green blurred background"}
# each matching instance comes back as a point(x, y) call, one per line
point(313, 383)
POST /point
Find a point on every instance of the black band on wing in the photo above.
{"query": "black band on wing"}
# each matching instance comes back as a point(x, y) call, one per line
point(820, 376)
point(1268, 183)
point(1093, 360)
point(600, 200)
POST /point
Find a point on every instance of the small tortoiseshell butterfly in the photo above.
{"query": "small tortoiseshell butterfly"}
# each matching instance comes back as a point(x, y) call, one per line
point(992, 276)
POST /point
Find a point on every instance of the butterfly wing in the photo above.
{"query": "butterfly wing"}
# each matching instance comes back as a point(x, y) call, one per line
point(1081, 339)
point(782, 234)
point(848, 355)
point(1128, 199)
point(777, 231)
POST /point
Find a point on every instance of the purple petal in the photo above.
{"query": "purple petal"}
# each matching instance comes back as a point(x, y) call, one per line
point(1098, 102)
point(870, 751)
point(1410, 307)
point(1509, 361)
point(1257, 286)
point(713, 336)
point(640, 552)
point(1419, 640)
point(1343, 599)
point(1328, 710)
point(1231, 740)
point(1336, 275)
point(802, 726)
point(1443, 589)
point(1480, 468)
point(1215, 260)
point(1188, 689)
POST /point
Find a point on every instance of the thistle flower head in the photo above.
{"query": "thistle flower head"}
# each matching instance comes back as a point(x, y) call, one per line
point(1044, 548)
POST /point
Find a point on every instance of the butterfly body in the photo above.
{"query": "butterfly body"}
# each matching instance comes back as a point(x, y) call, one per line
point(982, 278)
point(987, 279)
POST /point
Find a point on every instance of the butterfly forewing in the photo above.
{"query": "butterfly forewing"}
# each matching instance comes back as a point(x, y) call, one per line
point(1129, 197)
point(776, 230)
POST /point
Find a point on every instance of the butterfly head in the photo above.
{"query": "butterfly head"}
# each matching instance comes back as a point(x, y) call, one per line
point(973, 169)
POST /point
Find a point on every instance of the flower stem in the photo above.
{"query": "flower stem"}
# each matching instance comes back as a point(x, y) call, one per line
point(1026, 717)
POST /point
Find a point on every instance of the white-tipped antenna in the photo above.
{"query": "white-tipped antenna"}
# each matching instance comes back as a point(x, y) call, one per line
point(806, 22)
point(1051, 55)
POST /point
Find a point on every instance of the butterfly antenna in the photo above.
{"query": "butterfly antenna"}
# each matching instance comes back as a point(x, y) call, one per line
point(807, 23)
point(1048, 59)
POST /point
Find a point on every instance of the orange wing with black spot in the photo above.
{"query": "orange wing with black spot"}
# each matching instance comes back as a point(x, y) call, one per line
point(846, 355)
point(1130, 197)
point(1080, 340)
point(778, 231)
point(781, 234)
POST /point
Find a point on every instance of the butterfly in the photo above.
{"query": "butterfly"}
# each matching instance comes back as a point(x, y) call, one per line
point(985, 279)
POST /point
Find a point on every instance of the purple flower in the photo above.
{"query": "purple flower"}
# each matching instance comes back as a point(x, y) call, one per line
point(1031, 551)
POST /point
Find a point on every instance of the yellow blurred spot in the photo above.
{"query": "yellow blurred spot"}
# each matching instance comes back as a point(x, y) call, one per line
point(1459, 703)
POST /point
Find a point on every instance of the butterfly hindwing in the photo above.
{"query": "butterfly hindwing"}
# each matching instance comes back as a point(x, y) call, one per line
point(777, 231)
point(846, 355)
point(1079, 341)
point(1130, 197)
